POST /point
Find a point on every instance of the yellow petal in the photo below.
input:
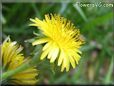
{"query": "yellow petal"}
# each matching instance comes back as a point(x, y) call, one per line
point(61, 57)
point(33, 25)
point(54, 54)
point(45, 53)
point(50, 53)
point(47, 45)
point(72, 61)
point(40, 41)
point(77, 57)
point(62, 68)
point(66, 63)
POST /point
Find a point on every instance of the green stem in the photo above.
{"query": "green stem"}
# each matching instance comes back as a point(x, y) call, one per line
point(0, 68)
point(23, 67)
point(17, 70)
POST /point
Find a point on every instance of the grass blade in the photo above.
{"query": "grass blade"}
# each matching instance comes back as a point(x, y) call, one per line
point(81, 12)
point(107, 79)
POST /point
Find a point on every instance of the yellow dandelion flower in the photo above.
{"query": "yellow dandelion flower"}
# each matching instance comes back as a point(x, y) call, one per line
point(61, 38)
point(11, 59)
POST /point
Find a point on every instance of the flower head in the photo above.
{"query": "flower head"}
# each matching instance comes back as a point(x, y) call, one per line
point(61, 38)
point(12, 58)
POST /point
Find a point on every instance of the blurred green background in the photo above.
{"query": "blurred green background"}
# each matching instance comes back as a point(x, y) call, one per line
point(96, 26)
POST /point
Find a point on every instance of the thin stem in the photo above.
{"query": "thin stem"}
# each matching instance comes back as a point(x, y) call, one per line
point(0, 68)
point(17, 70)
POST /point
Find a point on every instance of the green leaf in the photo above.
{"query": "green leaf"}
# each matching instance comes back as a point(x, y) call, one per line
point(2, 19)
point(108, 76)
point(98, 21)
point(81, 12)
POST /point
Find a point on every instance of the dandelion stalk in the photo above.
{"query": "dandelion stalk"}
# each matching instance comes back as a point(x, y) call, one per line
point(17, 70)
